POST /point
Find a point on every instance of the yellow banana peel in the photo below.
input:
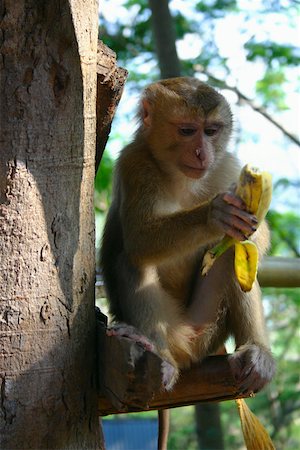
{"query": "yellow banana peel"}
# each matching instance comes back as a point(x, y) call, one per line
point(255, 189)
point(245, 263)
point(256, 436)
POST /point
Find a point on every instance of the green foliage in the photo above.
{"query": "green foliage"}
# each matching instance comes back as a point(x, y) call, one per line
point(270, 88)
point(182, 25)
point(216, 8)
point(134, 45)
point(285, 233)
point(183, 429)
point(272, 53)
point(276, 57)
point(103, 183)
point(282, 398)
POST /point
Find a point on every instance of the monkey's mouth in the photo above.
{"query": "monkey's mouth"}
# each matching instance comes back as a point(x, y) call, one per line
point(194, 165)
point(192, 171)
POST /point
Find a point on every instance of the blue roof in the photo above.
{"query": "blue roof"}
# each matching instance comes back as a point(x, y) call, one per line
point(130, 434)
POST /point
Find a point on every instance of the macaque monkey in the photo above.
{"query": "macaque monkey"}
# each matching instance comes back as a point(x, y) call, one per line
point(174, 199)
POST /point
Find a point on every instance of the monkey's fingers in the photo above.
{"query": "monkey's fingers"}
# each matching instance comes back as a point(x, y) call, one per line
point(236, 211)
point(231, 231)
point(234, 226)
point(254, 381)
point(232, 199)
point(252, 368)
point(232, 218)
point(169, 375)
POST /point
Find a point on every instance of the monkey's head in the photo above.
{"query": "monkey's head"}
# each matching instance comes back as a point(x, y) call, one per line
point(186, 123)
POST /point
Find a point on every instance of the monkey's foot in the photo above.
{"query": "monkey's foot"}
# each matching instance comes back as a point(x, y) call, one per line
point(130, 332)
point(252, 367)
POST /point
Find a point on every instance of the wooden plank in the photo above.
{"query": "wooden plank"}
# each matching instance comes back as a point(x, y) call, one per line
point(131, 379)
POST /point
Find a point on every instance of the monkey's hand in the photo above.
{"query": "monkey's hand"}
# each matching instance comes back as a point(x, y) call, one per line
point(252, 367)
point(228, 212)
point(253, 193)
point(130, 332)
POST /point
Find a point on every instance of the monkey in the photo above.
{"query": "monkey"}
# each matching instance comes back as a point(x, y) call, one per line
point(173, 198)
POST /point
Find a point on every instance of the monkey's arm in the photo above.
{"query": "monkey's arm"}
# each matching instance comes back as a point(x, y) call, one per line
point(151, 237)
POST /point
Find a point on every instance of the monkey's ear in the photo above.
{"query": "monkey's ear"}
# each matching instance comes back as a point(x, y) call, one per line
point(146, 113)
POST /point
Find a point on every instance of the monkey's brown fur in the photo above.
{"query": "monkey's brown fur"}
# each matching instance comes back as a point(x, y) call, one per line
point(172, 201)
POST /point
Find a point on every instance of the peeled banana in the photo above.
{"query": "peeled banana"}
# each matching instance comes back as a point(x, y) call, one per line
point(255, 189)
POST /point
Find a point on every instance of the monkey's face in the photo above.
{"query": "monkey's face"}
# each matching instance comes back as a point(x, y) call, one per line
point(194, 145)
point(186, 124)
point(187, 145)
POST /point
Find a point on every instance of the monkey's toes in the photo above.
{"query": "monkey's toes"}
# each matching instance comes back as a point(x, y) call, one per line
point(169, 375)
point(130, 332)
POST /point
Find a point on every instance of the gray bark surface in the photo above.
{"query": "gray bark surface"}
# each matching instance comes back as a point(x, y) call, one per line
point(47, 154)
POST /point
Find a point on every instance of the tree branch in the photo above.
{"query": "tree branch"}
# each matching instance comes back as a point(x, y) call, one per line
point(251, 103)
point(110, 83)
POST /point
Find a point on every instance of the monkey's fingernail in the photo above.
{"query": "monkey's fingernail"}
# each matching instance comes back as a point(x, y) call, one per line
point(253, 228)
point(254, 219)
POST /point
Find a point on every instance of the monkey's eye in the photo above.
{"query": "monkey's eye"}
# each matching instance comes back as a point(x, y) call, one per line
point(185, 131)
point(212, 131)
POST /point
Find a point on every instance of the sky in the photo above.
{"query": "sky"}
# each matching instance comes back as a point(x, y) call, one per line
point(262, 145)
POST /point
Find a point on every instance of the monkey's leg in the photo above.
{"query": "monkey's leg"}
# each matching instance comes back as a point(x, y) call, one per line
point(252, 363)
point(208, 292)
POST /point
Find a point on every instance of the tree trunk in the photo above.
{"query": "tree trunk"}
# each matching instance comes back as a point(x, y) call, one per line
point(47, 321)
point(165, 38)
point(209, 427)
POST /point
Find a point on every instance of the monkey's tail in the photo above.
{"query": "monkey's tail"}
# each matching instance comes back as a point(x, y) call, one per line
point(163, 428)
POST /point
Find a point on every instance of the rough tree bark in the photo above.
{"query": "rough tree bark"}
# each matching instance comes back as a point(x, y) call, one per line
point(47, 322)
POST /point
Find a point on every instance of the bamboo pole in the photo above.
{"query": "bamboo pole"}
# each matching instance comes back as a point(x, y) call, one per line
point(279, 272)
point(274, 271)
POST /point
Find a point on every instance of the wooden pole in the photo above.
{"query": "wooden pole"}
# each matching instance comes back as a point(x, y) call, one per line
point(131, 379)
point(279, 272)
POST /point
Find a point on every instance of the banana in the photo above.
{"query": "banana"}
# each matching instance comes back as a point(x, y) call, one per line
point(255, 189)
point(245, 263)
